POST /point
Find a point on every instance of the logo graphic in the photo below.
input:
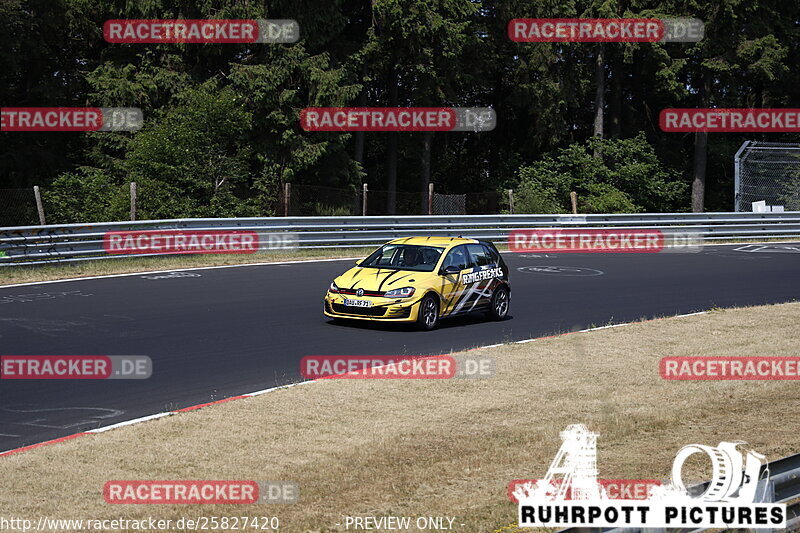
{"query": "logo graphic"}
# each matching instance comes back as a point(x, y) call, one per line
point(199, 492)
point(218, 31)
point(581, 240)
point(180, 242)
point(571, 495)
point(396, 367)
point(398, 119)
point(730, 368)
point(360, 292)
point(71, 118)
point(737, 120)
point(75, 367)
point(586, 30)
point(480, 275)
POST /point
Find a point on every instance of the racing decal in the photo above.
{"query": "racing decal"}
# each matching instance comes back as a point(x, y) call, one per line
point(475, 295)
point(387, 279)
point(480, 275)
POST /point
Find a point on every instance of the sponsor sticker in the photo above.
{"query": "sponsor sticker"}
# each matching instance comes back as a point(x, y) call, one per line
point(71, 119)
point(730, 120)
point(480, 275)
point(603, 241)
point(398, 119)
point(75, 367)
point(195, 31)
point(395, 367)
point(728, 368)
point(200, 492)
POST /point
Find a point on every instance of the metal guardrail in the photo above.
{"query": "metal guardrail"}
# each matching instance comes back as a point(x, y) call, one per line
point(783, 487)
point(29, 245)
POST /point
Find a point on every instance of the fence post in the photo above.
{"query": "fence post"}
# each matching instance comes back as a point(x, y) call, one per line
point(39, 205)
point(573, 196)
point(430, 198)
point(364, 200)
point(510, 200)
point(287, 192)
point(737, 176)
point(133, 201)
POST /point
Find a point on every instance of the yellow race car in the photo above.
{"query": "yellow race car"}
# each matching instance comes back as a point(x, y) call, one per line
point(422, 279)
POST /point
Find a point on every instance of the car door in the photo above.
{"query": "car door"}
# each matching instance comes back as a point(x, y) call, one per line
point(452, 288)
point(478, 283)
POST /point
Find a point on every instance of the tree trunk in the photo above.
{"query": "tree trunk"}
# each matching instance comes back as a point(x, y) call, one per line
point(600, 95)
point(425, 167)
point(699, 181)
point(615, 100)
point(700, 151)
point(391, 149)
point(359, 135)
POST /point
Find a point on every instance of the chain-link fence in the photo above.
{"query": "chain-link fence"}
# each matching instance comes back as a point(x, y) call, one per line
point(313, 200)
point(18, 207)
point(768, 173)
point(449, 204)
point(309, 200)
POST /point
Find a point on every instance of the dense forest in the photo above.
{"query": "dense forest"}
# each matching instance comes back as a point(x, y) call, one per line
point(221, 133)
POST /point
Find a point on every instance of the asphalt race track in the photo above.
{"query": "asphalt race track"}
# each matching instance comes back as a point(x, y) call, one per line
point(228, 331)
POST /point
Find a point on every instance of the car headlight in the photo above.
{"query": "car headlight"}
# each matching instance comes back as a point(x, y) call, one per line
point(405, 292)
point(333, 288)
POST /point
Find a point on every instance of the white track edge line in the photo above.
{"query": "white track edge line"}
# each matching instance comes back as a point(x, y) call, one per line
point(129, 422)
point(271, 389)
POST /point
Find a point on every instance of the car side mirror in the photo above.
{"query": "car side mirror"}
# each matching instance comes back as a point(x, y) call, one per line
point(451, 269)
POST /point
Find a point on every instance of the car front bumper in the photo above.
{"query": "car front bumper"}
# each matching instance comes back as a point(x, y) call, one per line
point(382, 310)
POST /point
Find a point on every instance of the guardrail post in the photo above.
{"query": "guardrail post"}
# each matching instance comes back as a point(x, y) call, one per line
point(573, 196)
point(133, 201)
point(39, 205)
point(364, 200)
point(510, 193)
point(287, 193)
point(430, 198)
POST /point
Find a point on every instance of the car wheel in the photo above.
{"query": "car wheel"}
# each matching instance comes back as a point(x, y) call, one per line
point(428, 315)
point(498, 309)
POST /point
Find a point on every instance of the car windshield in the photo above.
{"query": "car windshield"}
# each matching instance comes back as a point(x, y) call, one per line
point(404, 257)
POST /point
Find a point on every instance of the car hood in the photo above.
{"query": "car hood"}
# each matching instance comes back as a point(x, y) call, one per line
point(382, 279)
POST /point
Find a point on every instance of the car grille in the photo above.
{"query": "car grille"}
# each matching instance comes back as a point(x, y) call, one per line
point(355, 292)
point(360, 311)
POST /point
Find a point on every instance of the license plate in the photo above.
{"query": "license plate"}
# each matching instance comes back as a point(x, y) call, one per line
point(357, 303)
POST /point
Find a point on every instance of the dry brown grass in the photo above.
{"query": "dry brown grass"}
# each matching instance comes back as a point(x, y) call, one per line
point(29, 274)
point(441, 448)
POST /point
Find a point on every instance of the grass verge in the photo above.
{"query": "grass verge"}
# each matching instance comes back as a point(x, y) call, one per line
point(438, 448)
point(81, 269)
